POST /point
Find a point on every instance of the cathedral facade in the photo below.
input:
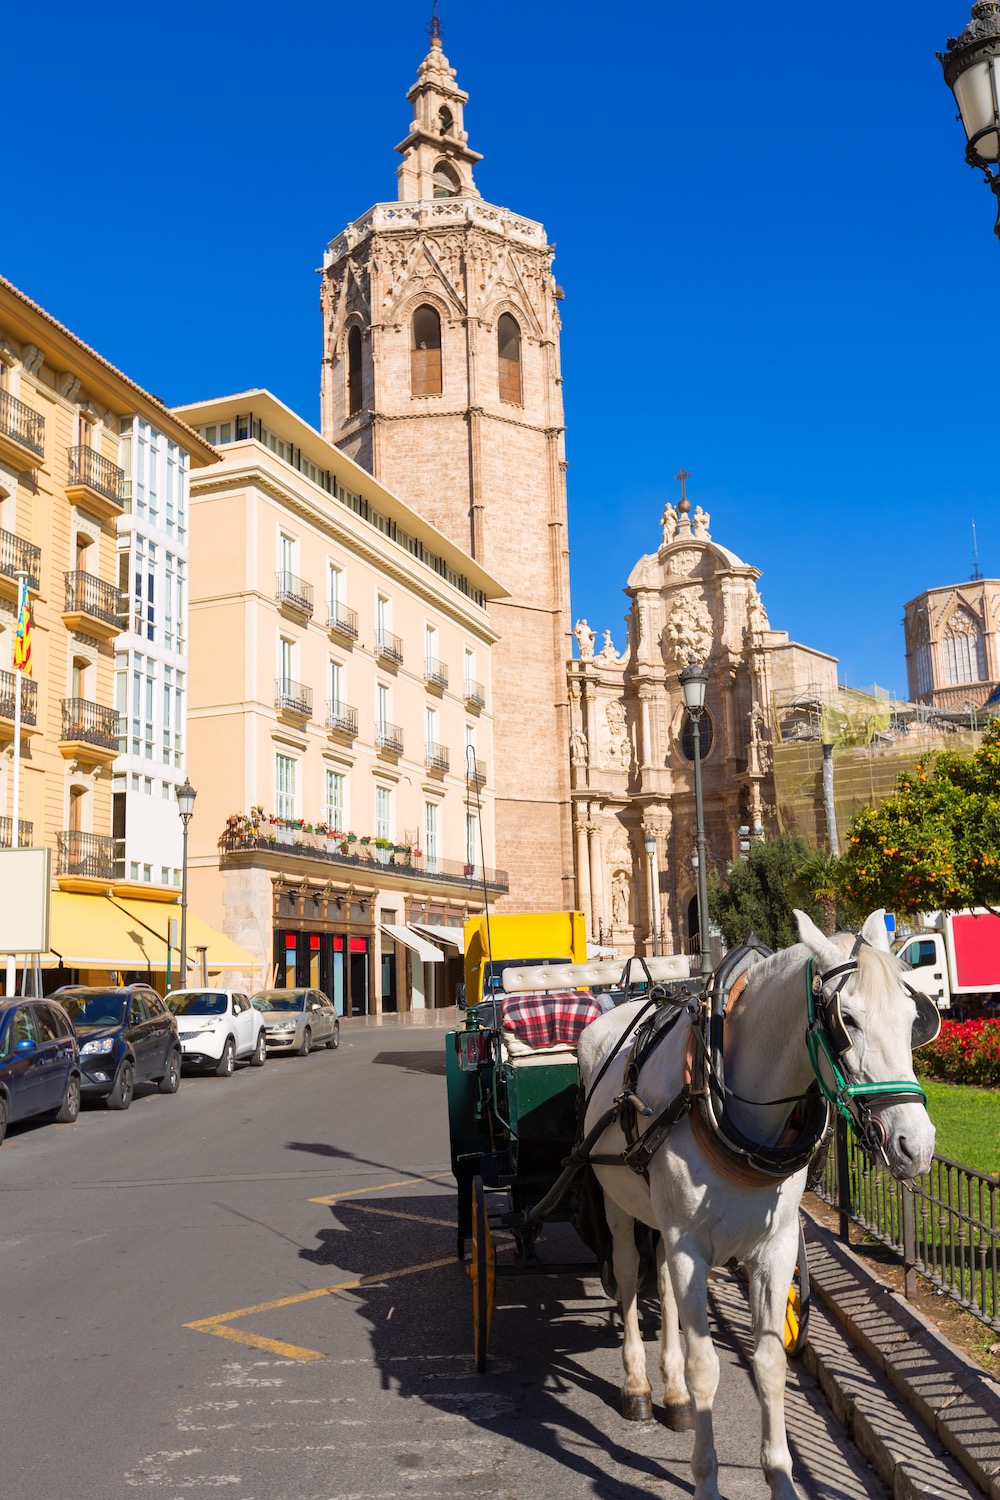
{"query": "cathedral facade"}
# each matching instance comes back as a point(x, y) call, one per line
point(441, 377)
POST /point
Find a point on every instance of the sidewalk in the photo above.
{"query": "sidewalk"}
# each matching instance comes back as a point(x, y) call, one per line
point(446, 1019)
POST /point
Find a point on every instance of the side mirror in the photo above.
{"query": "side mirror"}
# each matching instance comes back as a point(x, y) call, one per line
point(25, 1045)
point(460, 1000)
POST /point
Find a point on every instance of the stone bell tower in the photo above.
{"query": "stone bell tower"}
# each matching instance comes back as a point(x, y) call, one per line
point(441, 376)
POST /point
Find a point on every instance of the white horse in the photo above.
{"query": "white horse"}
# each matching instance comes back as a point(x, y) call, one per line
point(708, 1216)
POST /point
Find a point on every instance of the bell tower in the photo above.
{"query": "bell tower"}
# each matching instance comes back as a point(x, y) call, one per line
point(441, 376)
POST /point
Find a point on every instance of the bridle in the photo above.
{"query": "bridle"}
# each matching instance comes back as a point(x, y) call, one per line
point(828, 1040)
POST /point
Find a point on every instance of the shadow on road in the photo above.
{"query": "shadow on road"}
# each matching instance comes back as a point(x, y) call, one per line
point(413, 1062)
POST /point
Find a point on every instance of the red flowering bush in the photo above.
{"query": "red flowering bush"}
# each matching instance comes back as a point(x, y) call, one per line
point(965, 1052)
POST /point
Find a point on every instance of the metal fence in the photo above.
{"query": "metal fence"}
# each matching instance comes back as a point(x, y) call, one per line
point(945, 1226)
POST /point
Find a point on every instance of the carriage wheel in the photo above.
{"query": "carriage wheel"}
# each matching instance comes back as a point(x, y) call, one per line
point(796, 1333)
point(482, 1273)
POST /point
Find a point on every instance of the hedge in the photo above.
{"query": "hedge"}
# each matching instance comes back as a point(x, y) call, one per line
point(965, 1052)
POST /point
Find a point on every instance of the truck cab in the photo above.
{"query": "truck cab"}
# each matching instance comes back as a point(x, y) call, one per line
point(926, 956)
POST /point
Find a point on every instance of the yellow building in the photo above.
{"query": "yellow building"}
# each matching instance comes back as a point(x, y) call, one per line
point(67, 421)
point(340, 719)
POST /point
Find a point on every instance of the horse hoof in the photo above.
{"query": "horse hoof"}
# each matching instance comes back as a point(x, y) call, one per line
point(679, 1417)
point(637, 1408)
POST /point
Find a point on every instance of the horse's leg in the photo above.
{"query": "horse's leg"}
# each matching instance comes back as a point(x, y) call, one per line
point(637, 1393)
point(770, 1278)
point(678, 1412)
point(689, 1273)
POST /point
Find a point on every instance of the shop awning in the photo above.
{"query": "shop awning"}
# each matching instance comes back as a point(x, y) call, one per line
point(453, 936)
point(410, 939)
point(102, 932)
point(221, 951)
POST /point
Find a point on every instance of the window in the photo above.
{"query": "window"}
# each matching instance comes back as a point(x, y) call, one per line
point(446, 183)
point(383, 812)
point(354, 371)
point(924, 677)
point(431, 849)
point(446, 120)
point(284, 786)
point(335, 686)
point(687, 735)
point(964, 656)
point(143, 679)
point(382, 706)
point(144, 605)
point(334, 589)
point(431, 663)
point(383, 616)
point(430, 729)
point(425, 353)
point(471, 840)
point(334, 811)
point(286, 662)
point(509, 357)
point(286, 559)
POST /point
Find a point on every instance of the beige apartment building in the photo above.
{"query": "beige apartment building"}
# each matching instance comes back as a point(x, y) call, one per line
point(340, 722)
point(70, 424)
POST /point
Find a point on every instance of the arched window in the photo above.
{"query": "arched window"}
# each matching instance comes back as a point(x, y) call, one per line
point(687, 735)
point(354, 370)
point(509, 355)
point(425, 353)
point(446, 183)
point(445, 120)
point(964, 656)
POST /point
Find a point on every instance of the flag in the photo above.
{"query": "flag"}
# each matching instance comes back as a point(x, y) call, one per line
point(22, 631)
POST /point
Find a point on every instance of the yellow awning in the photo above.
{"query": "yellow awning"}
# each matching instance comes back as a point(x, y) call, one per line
point(104, 932)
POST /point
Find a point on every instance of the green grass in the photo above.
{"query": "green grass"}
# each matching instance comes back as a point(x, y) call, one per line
point(968, 1124)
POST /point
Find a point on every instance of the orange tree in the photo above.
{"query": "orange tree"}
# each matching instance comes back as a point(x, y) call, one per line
point(935, 845)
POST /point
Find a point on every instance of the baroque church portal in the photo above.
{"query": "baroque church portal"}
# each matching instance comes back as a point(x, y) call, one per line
point(441, 377)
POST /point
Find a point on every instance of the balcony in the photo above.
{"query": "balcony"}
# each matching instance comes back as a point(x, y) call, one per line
point(342, 621)
point(388, 738)
point(9, 682)
point(436, 758)
point(257, 846)
point(25, 832)
point(475, 694)
point(95, 481)
point(85, 857)
point(22, 433)
point(19, 556)
point(389, 647)
point(477, 777)
point(89, 732)
point(294, 594)
point(435, 673)
point(341, 720)
point(293, 699)
point(92, 604)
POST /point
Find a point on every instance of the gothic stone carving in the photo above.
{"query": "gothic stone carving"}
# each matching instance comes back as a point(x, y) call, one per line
point(688, 634)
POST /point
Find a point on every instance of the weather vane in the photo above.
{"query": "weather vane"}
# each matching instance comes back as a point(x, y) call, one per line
point(434, 30)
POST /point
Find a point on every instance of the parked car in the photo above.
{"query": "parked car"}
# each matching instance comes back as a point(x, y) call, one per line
point(39, 1062)
point(218, 1028)
point(297, 1020)
point(127, 1036)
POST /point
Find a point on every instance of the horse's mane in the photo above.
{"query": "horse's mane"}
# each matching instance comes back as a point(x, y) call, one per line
point(878, 972)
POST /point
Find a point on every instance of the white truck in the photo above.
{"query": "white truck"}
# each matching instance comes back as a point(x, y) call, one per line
point(955, 959)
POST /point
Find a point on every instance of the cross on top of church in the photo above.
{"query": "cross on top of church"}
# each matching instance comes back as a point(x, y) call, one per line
point(435, 30)
point(684, 476)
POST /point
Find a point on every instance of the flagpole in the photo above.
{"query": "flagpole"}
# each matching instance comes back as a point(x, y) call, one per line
point(15, 829)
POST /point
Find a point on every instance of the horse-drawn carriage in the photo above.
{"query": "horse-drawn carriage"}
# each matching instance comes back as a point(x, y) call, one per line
point(690, 1112)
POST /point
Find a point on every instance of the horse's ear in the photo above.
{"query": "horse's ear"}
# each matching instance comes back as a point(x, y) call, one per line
point(816, 941)
point(874, 931)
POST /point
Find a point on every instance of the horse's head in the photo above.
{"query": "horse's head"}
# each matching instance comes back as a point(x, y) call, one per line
point(864, 1024)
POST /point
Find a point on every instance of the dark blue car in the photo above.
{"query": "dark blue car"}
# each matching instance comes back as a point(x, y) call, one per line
point(39, 1063)
point(127, 1036)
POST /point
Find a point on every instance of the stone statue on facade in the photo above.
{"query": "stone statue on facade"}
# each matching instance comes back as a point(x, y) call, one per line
point(688, 635)
point(584, 640)
point(608, 652)
point(701, 523)
point(756, 613)
point(669, 523)
point(618, 746)
point(578, 748)
point(620, 893)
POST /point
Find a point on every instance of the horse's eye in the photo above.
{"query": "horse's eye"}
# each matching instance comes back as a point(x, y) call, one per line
point(852, 1025)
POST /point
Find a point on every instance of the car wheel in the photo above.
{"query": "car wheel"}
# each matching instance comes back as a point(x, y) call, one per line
point(124, 1087)
point(307, 1041)
point(70, 1107)
point(260, 1051)
point(227, 1062)
point(171, 1080)
point(335, 1039)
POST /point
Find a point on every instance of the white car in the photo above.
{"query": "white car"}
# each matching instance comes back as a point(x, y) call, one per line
point(217, 1029)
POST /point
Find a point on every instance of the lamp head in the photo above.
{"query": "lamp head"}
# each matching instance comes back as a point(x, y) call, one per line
point(694, 680)
point(650, 842)
point(972, 72)
point(185, 799)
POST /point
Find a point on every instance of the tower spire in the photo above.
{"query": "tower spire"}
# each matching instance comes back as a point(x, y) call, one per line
point(437, 161)
point(435, 30)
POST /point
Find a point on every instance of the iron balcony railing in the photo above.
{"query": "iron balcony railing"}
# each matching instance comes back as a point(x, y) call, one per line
point(87, 595)
point(294, 592)
point(89, 723)
point(87, 466)
point(293, 697)
point(477, 776)
point(435, 672)
point(88, 854)
point(19, 556)
point(19, 422)
point(341, 717)
point(25, 832)
point(389, 646)
point(436, 757)
point(475, 694)
point(388, 737)
point(341, 619)
point(315, 847)
point(9, 682)
point(945, 1226)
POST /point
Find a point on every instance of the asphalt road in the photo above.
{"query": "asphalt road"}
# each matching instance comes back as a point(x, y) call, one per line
point(251, 1288)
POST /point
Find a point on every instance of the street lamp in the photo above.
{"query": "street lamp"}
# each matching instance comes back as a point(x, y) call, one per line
point(694, 680)
point(744, 836)
point(185, 806)
point(652, 883)
point(972, 72)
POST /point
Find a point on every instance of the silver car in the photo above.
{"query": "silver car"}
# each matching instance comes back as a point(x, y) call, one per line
point(297, 1020)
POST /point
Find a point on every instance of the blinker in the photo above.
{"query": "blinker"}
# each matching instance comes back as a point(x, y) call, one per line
point(928, 1019)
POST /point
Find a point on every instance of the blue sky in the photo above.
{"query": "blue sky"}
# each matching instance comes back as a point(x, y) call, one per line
point(777, 265)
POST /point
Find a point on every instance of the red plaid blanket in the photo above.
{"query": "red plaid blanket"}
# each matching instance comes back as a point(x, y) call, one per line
point(545, 1017)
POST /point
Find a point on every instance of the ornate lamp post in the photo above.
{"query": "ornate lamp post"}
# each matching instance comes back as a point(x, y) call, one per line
point(972, 71)
point(185, 806)
point(652, 883)
point(694, 680)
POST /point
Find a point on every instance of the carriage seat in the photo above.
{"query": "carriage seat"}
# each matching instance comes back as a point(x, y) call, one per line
point(546, 1023)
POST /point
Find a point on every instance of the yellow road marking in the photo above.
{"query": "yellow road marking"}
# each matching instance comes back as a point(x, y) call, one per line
point(382, 1187)
point(390, 1213)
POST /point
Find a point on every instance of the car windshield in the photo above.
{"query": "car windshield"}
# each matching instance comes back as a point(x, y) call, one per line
point(102, 1009)
point(279, 1000)
point(197, 1003)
